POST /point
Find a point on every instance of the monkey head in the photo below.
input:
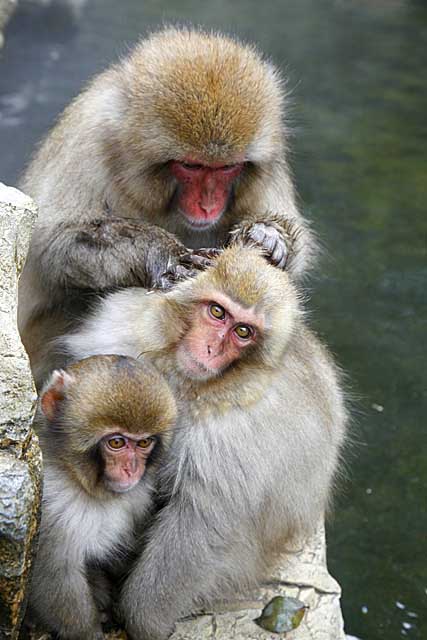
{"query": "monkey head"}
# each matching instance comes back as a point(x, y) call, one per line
point(104, 419)
point(241, 311)
point(199, 112)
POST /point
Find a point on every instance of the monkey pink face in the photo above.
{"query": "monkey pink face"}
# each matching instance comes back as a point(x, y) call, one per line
point(125, 457)
point(204, 190)
point(220, 332)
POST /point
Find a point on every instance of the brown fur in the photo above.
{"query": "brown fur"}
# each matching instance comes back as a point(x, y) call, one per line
point(106, 197)
point(103, 393)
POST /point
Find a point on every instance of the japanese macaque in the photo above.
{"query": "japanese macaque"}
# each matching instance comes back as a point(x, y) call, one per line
point(261, 422)
point(179, 146)
point(102, 424)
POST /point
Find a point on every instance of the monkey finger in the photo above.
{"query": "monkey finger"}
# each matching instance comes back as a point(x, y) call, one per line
point(257, 233)
point(202, 258)
point(210, 252)
point(174, 275)
point(279, 257)
point(164, 283)
point(270, 239)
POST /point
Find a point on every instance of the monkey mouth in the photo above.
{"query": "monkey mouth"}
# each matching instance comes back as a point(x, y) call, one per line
point(200, 224)
point(193, 368)
point(115, 486)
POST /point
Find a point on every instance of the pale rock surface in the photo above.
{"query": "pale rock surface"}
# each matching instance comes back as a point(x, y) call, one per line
point(20, 460)
point(301, 574)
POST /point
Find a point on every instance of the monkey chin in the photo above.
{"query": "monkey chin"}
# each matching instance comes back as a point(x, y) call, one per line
point(199, 225)
point(120, 487)
point(193, 369)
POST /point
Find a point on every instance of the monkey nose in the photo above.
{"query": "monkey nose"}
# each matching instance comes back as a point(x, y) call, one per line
point(208, 207)
point(132, 467)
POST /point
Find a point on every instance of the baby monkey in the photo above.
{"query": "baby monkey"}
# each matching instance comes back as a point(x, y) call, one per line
point(102, 424)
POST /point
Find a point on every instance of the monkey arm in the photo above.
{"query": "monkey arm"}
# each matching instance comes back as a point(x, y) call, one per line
point(60, 595)
point(105, 253)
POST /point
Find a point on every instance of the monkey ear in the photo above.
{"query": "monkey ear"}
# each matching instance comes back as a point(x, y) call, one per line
point(54, 393)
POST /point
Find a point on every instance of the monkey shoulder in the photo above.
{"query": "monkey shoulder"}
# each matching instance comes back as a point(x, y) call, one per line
point(112, 326)
point(312, 379)
point(78, 129)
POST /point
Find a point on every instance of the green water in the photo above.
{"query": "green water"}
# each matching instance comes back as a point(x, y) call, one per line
point(358, 77)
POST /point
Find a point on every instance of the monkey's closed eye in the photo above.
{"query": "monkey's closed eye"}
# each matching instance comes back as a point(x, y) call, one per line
point(217, 311)
point(243, 331)
point(193, 167)
point(144, 443)
point(117, 442)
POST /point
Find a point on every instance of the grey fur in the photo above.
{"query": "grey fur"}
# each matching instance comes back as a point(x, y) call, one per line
point(251, 465)
point(87, 532)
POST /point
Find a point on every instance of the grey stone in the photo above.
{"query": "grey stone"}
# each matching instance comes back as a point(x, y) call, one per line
point(20, 458)
point(302, 574)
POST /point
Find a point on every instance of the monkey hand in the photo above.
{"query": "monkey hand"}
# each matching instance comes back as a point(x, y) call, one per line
point(274, 234)
point(189, 264)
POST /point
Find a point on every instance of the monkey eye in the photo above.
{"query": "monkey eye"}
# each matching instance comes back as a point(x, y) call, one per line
point(144, 443)
point(117, 442)
point(192, 167)
point(217, 311)
point(243, 331)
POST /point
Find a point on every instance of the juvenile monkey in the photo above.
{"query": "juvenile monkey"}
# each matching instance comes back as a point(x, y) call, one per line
point(261, 424)
point(179, 145)
point(102, 424)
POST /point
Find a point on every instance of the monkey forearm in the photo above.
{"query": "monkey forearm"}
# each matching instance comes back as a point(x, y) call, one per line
point(109, 253)
point(61, 600)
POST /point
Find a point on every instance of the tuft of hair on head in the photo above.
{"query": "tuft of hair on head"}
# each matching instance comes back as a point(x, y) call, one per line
point(207, 93)
point(97, 395)
point(101, 392)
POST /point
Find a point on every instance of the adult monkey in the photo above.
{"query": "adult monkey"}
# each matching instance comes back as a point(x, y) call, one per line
point(178, 145)
point(261, 422)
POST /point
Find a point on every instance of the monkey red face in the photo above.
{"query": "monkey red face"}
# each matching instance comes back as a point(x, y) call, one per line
point(219, 333)
point(204, 190)
point(125, 457)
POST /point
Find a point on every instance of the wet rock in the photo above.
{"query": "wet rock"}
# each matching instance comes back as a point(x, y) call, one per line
point(6, 9)
point(301, 574)
point(20, 459)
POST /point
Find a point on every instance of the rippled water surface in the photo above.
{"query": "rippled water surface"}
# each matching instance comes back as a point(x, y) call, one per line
point(358, 73)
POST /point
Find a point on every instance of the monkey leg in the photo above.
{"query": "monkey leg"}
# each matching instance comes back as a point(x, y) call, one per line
point(65, 605)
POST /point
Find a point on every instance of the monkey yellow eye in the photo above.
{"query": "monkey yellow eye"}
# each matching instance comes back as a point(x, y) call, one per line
point(243, 331)
point(216, 311)
point(117, 442)
point(144, 443)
